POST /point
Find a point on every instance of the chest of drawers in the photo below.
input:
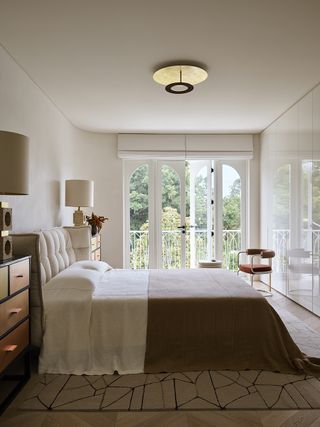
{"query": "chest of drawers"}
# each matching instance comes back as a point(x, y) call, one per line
point(14, 327)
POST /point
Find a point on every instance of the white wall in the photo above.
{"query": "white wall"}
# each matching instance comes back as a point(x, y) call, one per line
point(58, 151)
point(25, 109)
point(96, 158)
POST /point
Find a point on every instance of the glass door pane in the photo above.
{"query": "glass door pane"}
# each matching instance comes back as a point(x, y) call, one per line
point(139, 217)
point(172, 227)
point(231, 216)
point(201, 211)
point(201, 217)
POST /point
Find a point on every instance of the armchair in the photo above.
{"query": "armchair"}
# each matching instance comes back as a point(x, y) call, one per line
point(253, 267)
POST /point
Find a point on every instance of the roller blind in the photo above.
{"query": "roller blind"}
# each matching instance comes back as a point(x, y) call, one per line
point(174, 147)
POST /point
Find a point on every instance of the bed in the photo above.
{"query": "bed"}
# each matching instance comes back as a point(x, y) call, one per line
point(91, 319)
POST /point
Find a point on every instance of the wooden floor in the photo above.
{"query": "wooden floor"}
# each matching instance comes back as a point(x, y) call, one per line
point(278, 300)
point(302, 418)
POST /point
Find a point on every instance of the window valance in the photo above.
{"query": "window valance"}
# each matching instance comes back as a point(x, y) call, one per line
point(175, 147)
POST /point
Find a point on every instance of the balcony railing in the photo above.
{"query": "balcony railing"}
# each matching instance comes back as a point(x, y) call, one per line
point(139, 249)
point(171, 248)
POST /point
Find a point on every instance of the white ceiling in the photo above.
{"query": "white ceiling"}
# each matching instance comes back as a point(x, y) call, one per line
point(95, 59)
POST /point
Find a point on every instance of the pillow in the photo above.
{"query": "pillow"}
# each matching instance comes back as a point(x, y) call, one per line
point(72, 278)
point(99, 266)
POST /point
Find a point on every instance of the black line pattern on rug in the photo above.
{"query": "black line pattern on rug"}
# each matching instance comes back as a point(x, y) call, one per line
point(176, 391)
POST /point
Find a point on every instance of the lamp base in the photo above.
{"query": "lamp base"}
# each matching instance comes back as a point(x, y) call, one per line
point(78, 218)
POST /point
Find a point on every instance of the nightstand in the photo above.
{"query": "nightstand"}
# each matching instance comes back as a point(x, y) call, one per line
point(14, 327)
point(96, 247)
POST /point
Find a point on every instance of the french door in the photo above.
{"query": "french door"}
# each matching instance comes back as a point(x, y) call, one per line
point(170, 215)
point(179, 212)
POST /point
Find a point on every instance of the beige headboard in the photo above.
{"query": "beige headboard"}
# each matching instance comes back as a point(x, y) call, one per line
point(51, 252)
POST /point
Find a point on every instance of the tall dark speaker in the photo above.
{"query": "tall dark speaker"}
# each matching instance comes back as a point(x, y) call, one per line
point(5, 227)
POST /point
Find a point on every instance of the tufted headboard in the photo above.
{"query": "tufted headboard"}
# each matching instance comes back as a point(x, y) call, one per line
point(51, 252)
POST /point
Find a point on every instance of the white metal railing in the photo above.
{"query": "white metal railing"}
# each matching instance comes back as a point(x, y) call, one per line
point(171, 248)
point(139, 249)
point(231, 247)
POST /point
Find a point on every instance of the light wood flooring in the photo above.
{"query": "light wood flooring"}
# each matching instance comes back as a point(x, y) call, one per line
point(277, 418)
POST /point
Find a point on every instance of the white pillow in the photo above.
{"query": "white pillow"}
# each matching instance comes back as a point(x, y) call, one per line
point(99, 266)
point(72, 278)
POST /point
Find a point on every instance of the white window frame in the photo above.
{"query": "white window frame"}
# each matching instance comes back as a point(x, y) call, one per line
point(155, 201)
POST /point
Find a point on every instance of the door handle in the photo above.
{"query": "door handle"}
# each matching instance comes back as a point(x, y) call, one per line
point(183, 229)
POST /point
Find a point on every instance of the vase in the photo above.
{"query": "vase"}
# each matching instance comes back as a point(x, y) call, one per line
point(94, 230)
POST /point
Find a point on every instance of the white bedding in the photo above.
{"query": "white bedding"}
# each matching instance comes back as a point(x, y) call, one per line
point(106, 310)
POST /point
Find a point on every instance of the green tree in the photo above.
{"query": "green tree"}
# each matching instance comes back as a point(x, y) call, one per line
point(139, 197)
point(231, 207)
point(201, 201)
point(170, 188)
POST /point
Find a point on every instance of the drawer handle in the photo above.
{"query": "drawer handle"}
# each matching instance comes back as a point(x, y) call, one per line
point(19, 275)
point(10, 348)
point(15, 310)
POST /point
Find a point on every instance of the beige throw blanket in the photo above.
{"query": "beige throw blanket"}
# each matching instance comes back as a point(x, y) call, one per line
point(211, 319)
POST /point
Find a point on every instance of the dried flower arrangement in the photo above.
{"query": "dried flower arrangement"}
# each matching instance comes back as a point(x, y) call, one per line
point(96, 222)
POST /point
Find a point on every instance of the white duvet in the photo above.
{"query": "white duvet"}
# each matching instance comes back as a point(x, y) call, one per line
point(95, 320)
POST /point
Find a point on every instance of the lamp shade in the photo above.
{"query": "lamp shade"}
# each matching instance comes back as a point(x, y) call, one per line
point(14, 170)
point(79, 192)
point(180, 79)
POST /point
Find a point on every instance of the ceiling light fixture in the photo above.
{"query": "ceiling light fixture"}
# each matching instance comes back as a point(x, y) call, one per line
point(180, 79)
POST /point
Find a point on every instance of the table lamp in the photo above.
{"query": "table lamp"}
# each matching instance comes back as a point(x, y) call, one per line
point(14, 181)
point(79, 193)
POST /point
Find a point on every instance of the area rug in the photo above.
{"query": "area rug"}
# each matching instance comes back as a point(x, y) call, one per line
point(205, 390)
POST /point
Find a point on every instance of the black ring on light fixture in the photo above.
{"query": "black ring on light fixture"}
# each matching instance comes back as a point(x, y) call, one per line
point(170, 87)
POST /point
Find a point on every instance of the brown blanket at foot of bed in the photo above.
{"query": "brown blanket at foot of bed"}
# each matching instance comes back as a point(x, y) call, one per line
point(210, 319)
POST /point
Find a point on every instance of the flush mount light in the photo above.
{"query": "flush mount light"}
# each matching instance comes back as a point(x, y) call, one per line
point(180, 79)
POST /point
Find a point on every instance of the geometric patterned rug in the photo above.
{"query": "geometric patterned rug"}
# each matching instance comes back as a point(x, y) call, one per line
point(178, 391)
point(206, 390)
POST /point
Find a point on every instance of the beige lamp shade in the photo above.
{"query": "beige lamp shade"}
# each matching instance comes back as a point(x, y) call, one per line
point(179, 79)
point(79, 193)
point(14, 170)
